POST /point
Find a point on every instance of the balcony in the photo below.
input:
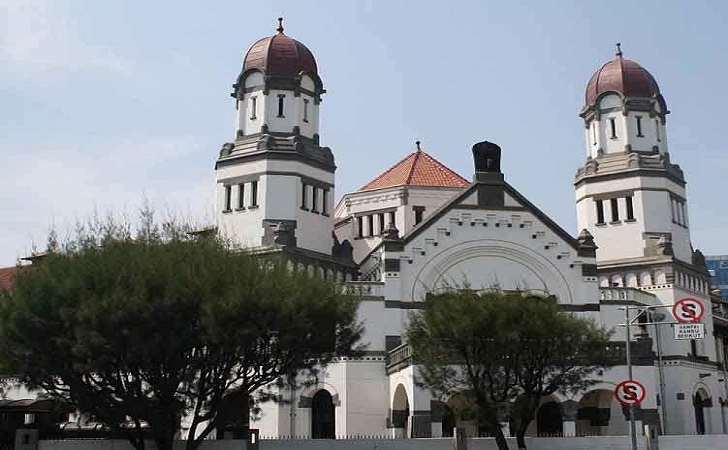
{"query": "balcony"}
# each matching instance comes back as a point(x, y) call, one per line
point(398, 358)
point(627, 294)
point(365, 288)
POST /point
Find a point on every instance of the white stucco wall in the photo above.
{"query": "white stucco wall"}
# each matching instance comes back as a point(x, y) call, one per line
point(652, 211)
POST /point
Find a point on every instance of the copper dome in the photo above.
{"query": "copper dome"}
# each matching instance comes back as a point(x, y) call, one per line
point(280, 55)
point(624, 77)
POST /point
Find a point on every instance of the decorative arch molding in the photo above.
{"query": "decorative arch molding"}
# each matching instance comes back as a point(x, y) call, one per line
point(304, 401)
point(397, 381)
point(433, 272)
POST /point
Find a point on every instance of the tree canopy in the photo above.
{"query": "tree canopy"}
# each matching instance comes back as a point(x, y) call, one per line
point(140, 331)
point(499, 353)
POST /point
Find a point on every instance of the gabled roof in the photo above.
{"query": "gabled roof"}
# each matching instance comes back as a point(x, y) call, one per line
point(417, 169)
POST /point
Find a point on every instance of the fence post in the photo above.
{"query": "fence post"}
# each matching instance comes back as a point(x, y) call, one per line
point(459, 440)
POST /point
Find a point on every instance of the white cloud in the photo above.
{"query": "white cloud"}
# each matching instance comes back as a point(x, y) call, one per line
point(42, 35)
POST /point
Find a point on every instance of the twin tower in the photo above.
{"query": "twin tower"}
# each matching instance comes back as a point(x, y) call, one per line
point(275, 182)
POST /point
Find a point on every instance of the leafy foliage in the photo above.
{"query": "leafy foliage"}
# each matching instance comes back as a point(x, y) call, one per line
point(142, 331)
point(500, 353)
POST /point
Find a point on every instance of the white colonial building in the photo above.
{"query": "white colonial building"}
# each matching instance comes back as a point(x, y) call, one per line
point(419, 225)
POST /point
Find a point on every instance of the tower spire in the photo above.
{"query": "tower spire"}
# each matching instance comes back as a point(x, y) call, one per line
point(618, 53)
point(417, 143)
point(280, 25)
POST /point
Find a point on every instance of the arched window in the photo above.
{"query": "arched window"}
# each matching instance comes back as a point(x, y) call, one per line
point(323, 424)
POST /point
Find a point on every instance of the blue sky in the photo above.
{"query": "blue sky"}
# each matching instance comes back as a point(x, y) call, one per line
point(106, 103)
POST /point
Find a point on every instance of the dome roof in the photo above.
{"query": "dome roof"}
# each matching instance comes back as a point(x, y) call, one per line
point(280, 55)
point(624, 77)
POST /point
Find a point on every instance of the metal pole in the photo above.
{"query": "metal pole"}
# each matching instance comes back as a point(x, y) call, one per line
point(632, 428)
point(660, 371)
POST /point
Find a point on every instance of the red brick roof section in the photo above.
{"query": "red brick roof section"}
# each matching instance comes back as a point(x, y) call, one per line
point(7, 275)
point(417, 169)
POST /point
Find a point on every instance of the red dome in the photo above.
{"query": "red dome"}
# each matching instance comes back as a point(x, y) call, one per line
point(625, 77)
point(281, 55)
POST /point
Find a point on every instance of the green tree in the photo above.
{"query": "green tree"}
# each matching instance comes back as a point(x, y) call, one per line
point(138, 333)
point(502, 353)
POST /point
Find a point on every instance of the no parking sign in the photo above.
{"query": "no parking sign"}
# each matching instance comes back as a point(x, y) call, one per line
point(688, 310)
point(630, 392)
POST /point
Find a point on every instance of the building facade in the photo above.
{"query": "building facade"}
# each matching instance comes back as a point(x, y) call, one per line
point(419, 225)
point(718, 270)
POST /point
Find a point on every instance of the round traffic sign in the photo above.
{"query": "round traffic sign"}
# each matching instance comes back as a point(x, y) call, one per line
point(688, 310)
point(630, 392)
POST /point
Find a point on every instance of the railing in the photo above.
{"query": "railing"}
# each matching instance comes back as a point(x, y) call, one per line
point(627, 294)
point(364, 288)
point(642, 354)
point(399, 358)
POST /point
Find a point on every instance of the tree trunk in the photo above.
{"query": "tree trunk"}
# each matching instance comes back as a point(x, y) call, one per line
point(520, 438)
point(500, 438)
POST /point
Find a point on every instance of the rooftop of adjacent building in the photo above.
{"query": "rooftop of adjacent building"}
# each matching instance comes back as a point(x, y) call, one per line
point(7, 276)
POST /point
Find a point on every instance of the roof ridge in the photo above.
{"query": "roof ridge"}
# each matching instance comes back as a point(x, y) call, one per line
point(416, 158)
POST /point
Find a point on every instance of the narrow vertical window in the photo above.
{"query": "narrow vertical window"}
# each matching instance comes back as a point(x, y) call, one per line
point(253, 107)
point(419, 212)
point(684, 214)
point(253, 193)
point(370, 225)
point(228, 199)
point(325, 202)
point(305, 110)
point(639, 126)
point(382, 225)
point(391, 218)
point(613, 128)
point(280, 104)
point(360, 226)
point(600, 211)
point(630, 207)
point(304, 193)
point(241, 195)
point(594, 133)
point(615, 209)
point(314, 199)
point(657, 129)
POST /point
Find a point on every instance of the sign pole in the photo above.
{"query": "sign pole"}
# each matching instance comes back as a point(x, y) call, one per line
point(661, 373)
point(632, 428)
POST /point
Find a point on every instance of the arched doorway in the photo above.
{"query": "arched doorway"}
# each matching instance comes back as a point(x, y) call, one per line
point(701, 400)
point(400, 411)
point(234, 416)
point(323, 418)
point(449, 421)
point(548, 420)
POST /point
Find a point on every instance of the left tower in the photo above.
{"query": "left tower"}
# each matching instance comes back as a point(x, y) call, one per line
point(275, 183)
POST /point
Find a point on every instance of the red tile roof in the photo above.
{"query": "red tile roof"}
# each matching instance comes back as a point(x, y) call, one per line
point(7, 274)
point(417, 169)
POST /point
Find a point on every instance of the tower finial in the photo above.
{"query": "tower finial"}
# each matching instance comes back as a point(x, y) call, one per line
point(618, 54)
point(280, 25)
point(417, 143)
